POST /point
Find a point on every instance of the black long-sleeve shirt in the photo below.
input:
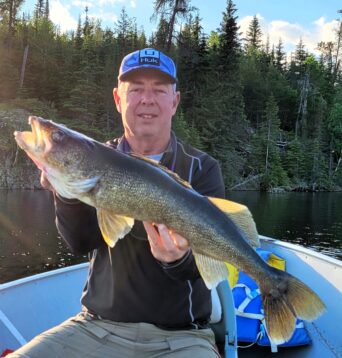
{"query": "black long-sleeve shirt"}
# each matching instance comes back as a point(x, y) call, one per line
point(133, 286)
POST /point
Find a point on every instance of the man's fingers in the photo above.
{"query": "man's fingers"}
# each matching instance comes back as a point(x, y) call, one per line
point(166, 246)
point(180, 241)
point(172, 239)
point(152, 233)
point(167, 239)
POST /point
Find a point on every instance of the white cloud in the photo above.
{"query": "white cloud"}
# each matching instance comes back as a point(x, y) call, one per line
point(291, 33)
point(133, 4)
point(325, 31)
point(110, 2)
point(104, 17)
point(60, 15)
point(82, 4)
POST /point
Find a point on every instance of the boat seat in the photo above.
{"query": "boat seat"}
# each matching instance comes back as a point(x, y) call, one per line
point(216, 308)
point(223, 321)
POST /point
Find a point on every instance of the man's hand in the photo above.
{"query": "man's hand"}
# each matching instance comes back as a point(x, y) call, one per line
point(166, 246)
point(44, 182)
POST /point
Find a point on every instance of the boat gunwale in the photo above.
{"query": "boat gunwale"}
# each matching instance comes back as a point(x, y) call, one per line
point(303, 250)
point(43, 275)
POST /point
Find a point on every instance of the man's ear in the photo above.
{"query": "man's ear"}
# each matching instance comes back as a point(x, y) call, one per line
point(176, 99)
point(117, 99)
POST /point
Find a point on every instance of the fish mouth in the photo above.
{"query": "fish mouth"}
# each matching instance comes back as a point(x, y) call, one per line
point(33, 141)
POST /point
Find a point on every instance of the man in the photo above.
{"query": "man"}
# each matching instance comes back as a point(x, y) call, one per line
point(144, 298)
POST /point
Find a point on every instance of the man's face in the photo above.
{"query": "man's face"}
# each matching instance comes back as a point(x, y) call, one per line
point(147, 102)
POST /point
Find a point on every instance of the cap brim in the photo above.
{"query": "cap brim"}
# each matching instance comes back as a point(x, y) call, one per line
point(126, 76)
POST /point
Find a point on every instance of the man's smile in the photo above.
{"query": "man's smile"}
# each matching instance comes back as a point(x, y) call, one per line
point(146, 115)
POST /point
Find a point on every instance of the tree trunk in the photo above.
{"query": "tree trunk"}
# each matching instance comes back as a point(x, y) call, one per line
point(23, 67)
point(268, 144)
point(171, 27)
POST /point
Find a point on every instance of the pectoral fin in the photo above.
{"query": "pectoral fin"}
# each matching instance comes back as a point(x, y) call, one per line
point(211, 270)
point(241, 216)
point(113, 227)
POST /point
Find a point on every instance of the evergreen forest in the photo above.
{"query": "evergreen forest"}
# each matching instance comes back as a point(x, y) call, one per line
point(272, 119)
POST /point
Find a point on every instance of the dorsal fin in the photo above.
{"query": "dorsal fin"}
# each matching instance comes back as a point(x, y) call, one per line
point(172, 174)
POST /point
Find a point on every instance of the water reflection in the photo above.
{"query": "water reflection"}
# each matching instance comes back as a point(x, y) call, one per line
point(29, 242)
point(309, 219)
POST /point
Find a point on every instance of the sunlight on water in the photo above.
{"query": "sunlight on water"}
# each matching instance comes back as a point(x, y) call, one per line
point(30, 243)
point(28, 237)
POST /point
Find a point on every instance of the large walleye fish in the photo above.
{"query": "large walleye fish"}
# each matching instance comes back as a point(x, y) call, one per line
point(123, 188)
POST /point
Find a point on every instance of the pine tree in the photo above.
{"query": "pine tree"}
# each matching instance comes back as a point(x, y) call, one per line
point(300, 58)
point(229, 45)
point(125, 30)
point(39, 9)
point(47, 10)
point(189, 65)
point(86, 98)
point(185, 131)
point(333, 125)
point(9, 11)
point(160, 38)
point(218, 106)
point(266, 155)
point(9, 76)
point(316, 166)
point(253, 36)
point(294, 162)
point(170, 10)
point(280, 57)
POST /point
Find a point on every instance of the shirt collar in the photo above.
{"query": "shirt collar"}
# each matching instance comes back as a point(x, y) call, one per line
point(123, 145)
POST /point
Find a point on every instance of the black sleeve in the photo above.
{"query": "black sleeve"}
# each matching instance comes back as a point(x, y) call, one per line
point(77, 224)
point(208, 182)
point(182, 269)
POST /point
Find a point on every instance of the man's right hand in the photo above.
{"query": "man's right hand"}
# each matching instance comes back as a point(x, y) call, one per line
point(44, 182)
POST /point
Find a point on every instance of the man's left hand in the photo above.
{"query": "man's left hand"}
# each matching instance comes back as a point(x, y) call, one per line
point(166, 246)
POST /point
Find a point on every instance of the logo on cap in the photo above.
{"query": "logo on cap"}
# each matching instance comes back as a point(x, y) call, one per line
point(149, 57)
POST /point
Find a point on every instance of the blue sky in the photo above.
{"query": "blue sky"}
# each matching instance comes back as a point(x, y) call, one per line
point(290, 20)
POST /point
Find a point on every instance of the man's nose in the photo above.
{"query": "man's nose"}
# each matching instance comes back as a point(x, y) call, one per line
point(148, 97)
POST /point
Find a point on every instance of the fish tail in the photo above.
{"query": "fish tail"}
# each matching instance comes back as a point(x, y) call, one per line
point(285, 299)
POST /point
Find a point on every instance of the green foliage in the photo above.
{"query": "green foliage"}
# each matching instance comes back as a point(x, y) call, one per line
point(186, 132)
point(32, 106)
point(266, 152)
point(254, 34)
point(255, 113)
point(9, 76)
point(294, 161)
point(334, 123)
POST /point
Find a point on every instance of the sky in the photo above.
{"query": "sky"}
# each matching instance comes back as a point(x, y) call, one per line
point(311, 20)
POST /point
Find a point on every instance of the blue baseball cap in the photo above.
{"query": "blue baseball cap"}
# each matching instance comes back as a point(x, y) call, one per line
point(147, 58)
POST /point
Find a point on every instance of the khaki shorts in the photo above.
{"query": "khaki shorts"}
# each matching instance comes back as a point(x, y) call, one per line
point(84, 336)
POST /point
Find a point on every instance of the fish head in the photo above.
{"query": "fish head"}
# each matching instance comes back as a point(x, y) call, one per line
point(52, 145)
point(58, 151)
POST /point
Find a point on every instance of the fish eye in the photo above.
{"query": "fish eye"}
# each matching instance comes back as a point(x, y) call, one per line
point(57, 136)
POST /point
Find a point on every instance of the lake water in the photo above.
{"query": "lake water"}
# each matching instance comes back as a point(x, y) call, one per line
point(29, 242)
